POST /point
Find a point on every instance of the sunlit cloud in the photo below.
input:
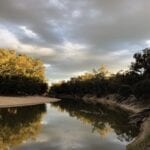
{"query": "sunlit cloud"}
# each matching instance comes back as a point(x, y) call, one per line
point(47, 65)
point(28, 32)
point(9, 40)
point(73, 49)
point(121, 52)
point(148, 43)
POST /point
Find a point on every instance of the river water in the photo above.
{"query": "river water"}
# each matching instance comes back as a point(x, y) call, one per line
point(65, 125)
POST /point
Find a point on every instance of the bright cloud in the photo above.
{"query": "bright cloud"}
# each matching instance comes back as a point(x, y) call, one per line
point(148, 43)
point(28, 32)
point(8, 40)
point(73, 36)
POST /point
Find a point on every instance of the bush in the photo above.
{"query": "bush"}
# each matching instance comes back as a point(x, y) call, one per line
point(20, 85)
point(142, 89)
point(125, 90)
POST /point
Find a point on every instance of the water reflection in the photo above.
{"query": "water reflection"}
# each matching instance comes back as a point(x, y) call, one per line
point(103, 119)
point(19, 124)
point(65, 125)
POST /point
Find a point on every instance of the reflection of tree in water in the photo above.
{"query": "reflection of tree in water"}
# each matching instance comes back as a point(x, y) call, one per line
point(103, 119)
point(19, 124)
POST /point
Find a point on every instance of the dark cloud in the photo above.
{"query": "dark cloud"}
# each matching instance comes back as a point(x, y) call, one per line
point(78, 35)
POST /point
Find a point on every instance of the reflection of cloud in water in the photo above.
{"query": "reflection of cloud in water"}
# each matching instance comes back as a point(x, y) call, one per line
point(100, 118)
point(43, 122)
point(62, 132)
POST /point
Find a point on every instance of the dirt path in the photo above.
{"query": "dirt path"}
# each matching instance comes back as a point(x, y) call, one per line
point(24, 101)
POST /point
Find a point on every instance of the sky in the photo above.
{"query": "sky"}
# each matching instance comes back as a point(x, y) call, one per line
point(75, 36)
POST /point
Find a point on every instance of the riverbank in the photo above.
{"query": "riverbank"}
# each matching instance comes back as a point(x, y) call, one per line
point(142, 142)
point(6, 101)
point(129, 104)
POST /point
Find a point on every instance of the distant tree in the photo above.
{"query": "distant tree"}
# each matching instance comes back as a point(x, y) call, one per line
point(142, 62)
point(101, 83)
point(103, 70)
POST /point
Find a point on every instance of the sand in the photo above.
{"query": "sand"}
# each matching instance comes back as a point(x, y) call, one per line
point(6, 101)
point(142, 142)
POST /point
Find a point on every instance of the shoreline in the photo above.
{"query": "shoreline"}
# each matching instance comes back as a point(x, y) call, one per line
point(142, 141)
point(8, 101)
point(129, 104)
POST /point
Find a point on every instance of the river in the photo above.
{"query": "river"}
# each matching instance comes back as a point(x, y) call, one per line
point(65, 125)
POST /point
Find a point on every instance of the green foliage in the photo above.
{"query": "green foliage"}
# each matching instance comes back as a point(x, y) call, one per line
point(81, 85)
point(125, 90)
point(142, 62)
point(20, 85)
point(128, 78)
point(142, 89)
point(20, 74)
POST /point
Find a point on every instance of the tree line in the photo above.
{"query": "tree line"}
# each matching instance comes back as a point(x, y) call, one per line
point(21, 74)
point(134, 81)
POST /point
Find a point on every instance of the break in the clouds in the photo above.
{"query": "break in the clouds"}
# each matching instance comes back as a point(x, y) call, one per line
point(72, 37)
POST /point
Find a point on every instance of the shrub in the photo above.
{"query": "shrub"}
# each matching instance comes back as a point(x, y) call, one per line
point(125, 90)
point(20, 85)
point(142, 89)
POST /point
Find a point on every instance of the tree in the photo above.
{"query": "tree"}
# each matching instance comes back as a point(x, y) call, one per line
point(142, 63)
point(101, 83)
point(21, 74)
point(20, 64)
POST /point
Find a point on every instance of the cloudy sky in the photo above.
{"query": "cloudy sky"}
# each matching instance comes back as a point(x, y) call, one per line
point(75, 36)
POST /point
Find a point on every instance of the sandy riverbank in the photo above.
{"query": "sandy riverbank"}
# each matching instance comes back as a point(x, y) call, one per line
point(142, 142)
point(6, 101)
point(129, 104)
